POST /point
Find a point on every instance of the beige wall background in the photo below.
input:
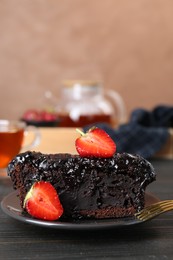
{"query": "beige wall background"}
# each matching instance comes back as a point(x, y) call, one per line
point(126, 43)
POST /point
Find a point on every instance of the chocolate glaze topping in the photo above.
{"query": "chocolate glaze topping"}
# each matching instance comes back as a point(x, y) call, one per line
point(89, 187)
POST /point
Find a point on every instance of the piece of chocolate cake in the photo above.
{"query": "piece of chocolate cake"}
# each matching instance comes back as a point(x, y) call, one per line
point(87, 187)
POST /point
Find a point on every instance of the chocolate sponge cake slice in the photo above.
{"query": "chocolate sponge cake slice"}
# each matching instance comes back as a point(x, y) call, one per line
point(87, 187)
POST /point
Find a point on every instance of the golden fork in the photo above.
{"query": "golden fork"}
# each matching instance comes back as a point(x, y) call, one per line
point(154, 210)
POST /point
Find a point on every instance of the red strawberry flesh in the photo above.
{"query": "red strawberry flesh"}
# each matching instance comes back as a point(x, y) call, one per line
point(96, 142)
point(42, 202)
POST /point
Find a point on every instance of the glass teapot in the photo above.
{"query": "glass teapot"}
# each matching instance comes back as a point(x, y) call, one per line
point(84, 102)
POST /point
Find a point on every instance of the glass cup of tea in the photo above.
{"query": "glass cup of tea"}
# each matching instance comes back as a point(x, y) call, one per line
point(12, 137)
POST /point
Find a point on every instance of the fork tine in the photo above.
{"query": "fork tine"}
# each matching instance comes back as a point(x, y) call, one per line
point(160, 203)
point(150, 214)
point(155, 210)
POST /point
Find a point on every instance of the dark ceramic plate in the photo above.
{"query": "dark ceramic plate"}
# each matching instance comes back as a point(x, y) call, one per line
point(10, 205)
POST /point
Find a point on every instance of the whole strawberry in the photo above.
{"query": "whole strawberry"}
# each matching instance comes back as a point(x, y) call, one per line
point(96, 142)
point(42, 202)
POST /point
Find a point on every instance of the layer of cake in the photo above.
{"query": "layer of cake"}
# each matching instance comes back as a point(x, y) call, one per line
point(87, 187)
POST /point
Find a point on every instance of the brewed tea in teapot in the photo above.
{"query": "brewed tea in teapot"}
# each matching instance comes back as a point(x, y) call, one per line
point(84, 102)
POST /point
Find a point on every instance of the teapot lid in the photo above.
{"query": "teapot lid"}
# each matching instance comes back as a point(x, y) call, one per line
point(70, 83)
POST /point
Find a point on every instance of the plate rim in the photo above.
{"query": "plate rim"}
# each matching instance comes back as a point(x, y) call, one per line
point(15, 212)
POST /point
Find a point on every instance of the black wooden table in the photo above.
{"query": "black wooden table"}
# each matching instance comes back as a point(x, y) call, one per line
point(149, 240)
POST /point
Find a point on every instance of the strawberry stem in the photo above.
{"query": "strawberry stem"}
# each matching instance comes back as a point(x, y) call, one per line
point(80, 132)
point(28, 196)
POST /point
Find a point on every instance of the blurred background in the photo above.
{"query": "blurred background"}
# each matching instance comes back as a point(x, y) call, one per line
point(126, 44)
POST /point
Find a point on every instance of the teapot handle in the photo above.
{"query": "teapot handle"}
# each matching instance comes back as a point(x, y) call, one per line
point(119, 104)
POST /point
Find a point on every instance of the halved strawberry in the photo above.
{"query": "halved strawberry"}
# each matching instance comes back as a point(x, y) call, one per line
point(42, 201)
point(96, 142)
